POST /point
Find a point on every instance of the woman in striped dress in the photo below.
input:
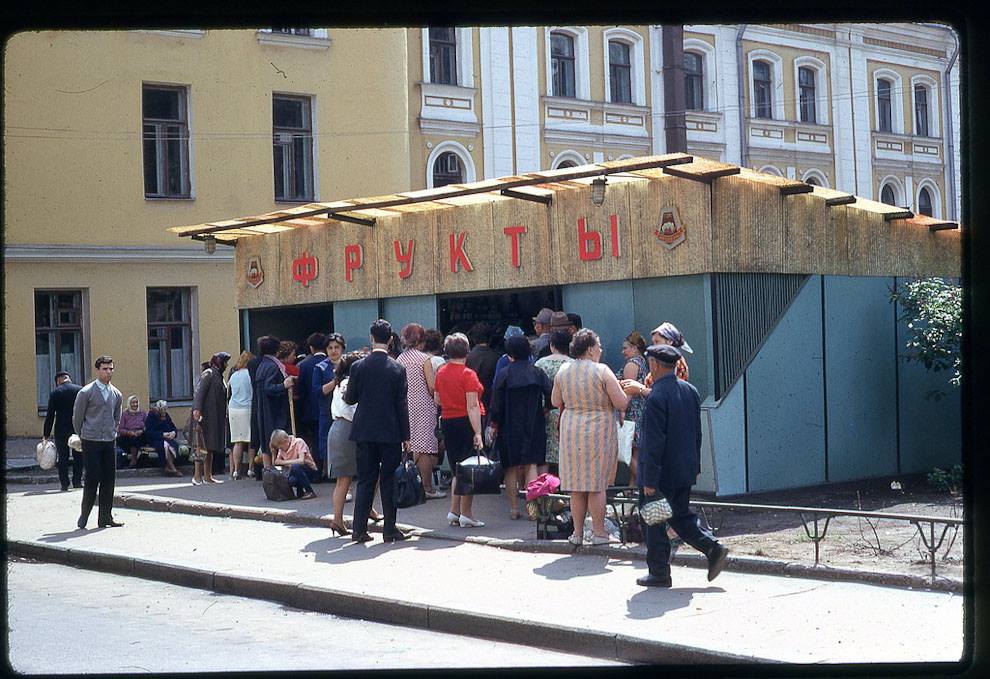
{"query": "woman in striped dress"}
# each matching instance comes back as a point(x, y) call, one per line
point(592, 404)
point(422, 409)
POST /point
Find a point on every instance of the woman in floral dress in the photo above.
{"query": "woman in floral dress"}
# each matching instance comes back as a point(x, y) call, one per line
point(422, 409)
point(551, 365)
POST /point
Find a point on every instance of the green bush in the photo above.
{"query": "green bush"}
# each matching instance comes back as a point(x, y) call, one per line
point(946, 481)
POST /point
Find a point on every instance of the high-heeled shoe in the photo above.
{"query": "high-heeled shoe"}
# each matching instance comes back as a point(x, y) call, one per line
point(339, 529)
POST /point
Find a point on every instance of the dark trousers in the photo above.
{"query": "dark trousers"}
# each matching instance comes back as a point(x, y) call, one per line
point(683, 520)
point(300, 477)
point(62, 460)
point(376, 462)
point(219, 461)
point(101, 472)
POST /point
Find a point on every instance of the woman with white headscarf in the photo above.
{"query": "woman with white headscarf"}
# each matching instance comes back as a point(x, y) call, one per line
point(210, 412)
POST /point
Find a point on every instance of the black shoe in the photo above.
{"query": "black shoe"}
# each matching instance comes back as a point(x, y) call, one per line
point(65, 489)
point(395, 537)
point(361, 537)
point(716, 561)
point(110, 524)
point(653, 581)
point(77, 485)
point(81, 522)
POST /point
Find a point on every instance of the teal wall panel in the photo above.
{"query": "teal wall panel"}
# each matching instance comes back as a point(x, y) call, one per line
point(420, 309)
point(353, 319)
point(860, 377)
point(607, 309)
point(930, 429)
point(724, 427)
point(685, 302)
point(785, 410)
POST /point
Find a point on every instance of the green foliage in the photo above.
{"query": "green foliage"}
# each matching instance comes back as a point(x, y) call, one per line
point(950, 481)
point(932, 308)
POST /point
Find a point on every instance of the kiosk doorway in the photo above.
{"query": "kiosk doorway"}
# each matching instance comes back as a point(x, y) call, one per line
point(294, 323)
point(458, 312)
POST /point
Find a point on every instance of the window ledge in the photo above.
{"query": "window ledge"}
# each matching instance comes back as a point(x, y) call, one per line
point(286, 40)
point(301, 201)
point(166, 199)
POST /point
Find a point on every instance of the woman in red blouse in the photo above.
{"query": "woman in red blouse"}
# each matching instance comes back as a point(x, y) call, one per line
point(458, 393)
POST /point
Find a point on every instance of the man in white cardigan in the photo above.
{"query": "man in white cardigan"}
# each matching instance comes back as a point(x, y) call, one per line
point(95, 417)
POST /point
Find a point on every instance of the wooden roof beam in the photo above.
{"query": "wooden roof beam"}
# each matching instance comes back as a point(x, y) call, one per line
point(511, 193)
point(344, 217)
point(706, 176)
point(904, 213)
point(943, 226)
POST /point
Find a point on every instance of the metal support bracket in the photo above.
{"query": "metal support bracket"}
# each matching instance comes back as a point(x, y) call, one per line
point(816, 538)
point(930, 544)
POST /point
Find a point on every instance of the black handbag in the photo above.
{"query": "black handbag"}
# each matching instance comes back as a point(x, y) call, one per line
point(408, 486)
point(478, 475)
point(275, 482)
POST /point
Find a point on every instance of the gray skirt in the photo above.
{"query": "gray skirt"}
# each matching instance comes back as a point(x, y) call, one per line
point(342, 451)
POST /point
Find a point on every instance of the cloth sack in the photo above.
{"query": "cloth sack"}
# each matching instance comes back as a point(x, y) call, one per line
point(275, 483)
point(408, 486)
point(627, 430)
point(478, 475)
point(544, 484)
point(75, 443)
point(656, 511)
point(46, 454)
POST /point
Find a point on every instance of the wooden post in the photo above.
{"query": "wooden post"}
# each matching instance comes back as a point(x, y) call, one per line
point(292, 408)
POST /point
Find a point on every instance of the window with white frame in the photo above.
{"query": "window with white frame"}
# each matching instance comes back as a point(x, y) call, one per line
point(562, 60)
point(884, 109)
point(925, 202)
point(806, 98)
point(888, 194)
point(619, 72)
point(170, 367)
point(888, 102)
point(694, 79)
point(447, 170)
point(924, 95)
point(763, 89)
point(166, 141)
point(293, 31)
point(292, 145)
point(58, 339)
point(443, 56)
point(921, 111)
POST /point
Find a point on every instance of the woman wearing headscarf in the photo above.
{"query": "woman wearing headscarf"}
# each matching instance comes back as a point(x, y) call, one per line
point(160, 434)
point(130, 432)
point(521, 394)
point(210, 411)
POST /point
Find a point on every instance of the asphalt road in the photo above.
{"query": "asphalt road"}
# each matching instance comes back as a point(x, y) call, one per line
point(68, 620)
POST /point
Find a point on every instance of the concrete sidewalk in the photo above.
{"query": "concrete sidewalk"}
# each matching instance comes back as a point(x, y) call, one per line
point(585, 602)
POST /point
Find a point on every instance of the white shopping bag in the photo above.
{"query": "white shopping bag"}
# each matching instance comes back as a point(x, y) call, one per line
point(626, 431)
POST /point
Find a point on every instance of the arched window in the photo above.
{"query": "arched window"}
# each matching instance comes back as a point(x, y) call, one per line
point(806, 83)
point(925, 202)
point(694, 74)
point(447, 170)
point(566, 163)
point(562, 60)
point(921, 111)
point(887, 195)
point(620, 72)
point(812, 180)
point(443, 56)
point(763, 89)
point(883, 105)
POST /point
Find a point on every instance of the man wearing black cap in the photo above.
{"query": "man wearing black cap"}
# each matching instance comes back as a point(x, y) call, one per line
point(669, 462)
point(60, 403)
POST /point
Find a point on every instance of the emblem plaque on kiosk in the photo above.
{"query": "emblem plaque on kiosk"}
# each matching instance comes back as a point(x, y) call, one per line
point(255, 274)
point(670, 232)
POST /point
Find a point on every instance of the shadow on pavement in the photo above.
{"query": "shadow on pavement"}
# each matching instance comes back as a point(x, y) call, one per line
point(67, 535)
point(574, 566)
point(653, 602)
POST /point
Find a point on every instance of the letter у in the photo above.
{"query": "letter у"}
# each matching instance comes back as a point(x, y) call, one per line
point(405, 258)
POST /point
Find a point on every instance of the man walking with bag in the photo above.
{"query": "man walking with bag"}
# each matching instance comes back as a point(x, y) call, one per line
point(60, 404)
point(670, 461)
point(378, 386)
point(95, 417)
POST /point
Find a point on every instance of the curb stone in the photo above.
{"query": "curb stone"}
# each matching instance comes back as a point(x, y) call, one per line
point(734, 563)
point(349, 604)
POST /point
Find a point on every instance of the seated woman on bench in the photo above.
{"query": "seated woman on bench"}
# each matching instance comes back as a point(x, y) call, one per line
point(160, 433)
point(292, 452)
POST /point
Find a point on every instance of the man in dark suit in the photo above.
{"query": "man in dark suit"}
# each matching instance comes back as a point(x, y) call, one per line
point(309, 406)
point(670, 461)
point(271, 386)
point(381, 430)
point(60, 403)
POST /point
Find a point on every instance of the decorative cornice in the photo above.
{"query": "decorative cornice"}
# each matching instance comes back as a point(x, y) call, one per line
point(287, 40)
point(86, 254)
point(876, 42)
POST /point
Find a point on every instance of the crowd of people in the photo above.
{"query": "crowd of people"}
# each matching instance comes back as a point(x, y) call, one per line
point(540, 404)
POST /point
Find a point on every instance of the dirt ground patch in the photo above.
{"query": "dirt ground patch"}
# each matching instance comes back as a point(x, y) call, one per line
point(878, 545)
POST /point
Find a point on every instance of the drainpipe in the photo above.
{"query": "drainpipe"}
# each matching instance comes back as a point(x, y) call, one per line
point(675, 127)
point(741, 67)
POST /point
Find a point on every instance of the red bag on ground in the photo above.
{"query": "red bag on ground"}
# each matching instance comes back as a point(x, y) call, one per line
point(544, 484)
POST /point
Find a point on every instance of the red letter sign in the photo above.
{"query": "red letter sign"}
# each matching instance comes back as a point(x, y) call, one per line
point(513, 232)
point(405, 259)
point(305, 269)
point(459, 258)
point(353, 260)
point(589, 242)
point(613, 221)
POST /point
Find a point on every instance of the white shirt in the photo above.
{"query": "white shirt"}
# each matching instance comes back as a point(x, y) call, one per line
point(240, 390)
point(338, 408)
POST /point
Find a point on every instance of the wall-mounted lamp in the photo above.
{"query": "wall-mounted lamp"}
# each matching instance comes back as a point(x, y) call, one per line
point(211, 244)
point(598, 191)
